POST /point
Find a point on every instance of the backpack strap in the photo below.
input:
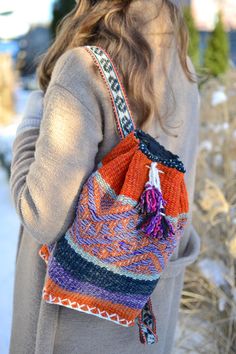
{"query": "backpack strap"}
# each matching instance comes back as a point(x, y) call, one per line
point(123, 116)
point(125, 124)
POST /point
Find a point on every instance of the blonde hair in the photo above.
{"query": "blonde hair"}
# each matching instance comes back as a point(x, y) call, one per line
point(110, 25)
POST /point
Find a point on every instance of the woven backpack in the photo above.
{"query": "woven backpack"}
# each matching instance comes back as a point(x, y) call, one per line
point(130, 214)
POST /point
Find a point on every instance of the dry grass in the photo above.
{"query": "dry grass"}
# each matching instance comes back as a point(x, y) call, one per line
point(208, 311)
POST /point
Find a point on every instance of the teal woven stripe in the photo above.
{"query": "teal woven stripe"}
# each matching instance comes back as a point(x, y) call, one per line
point(177, 218)
point(109, 267)
point(126, 200)
point(120, 198)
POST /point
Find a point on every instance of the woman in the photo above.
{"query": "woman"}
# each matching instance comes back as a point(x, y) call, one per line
point(52, 158)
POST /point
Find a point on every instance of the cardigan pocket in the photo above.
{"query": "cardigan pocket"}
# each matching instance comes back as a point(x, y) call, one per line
point(167, 295)
point(190, 254)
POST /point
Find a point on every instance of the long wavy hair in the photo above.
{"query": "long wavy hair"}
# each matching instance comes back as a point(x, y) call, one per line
point(110, 25)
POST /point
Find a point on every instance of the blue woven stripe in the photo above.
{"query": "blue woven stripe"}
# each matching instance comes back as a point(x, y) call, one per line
point(86, 271)
point(69, 283)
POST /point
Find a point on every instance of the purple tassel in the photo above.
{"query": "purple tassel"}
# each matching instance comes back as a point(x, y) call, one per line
point(152, 205)
point(151, 200)
point(157, 226)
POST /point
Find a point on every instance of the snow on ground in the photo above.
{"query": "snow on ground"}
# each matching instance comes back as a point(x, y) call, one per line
point(214, 270)
point(219, 97)
point(21, 96)
point(8, 241)
point(7, 135)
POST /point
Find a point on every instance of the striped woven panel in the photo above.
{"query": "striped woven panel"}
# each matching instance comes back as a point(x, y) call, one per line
point(104, 265)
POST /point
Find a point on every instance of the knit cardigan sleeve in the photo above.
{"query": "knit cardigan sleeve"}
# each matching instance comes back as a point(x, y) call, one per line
point(49, 167)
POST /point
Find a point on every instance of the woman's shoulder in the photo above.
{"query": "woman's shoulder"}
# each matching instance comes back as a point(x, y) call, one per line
point(73, 60)
point(75, 72)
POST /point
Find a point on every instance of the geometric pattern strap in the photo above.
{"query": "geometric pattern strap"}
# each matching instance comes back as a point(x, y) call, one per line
point(123, 116)
point(147, 324)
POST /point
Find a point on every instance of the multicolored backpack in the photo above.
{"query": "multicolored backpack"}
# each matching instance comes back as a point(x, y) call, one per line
point(130, 215)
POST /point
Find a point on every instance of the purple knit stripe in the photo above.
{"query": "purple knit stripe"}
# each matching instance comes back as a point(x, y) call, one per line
point(69, 283)
point(147, 262)
point(107, 217)
point(150, 248)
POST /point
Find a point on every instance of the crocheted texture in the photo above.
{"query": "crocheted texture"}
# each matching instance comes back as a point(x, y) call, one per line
point(104, 261)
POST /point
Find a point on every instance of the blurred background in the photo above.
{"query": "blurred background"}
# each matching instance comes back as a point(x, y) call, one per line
point(208, 309)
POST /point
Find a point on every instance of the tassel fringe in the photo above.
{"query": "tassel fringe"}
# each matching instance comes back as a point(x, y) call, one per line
point(152, 206)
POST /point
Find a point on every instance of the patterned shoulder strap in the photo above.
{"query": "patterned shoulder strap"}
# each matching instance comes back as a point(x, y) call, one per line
point(123, 117)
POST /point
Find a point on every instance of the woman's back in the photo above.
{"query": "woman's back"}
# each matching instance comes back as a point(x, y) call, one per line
point(76, 132)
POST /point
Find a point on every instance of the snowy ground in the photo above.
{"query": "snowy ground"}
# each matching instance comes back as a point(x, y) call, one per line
point(8, 241)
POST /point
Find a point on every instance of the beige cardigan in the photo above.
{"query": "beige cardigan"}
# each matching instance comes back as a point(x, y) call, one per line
point(58, 144)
